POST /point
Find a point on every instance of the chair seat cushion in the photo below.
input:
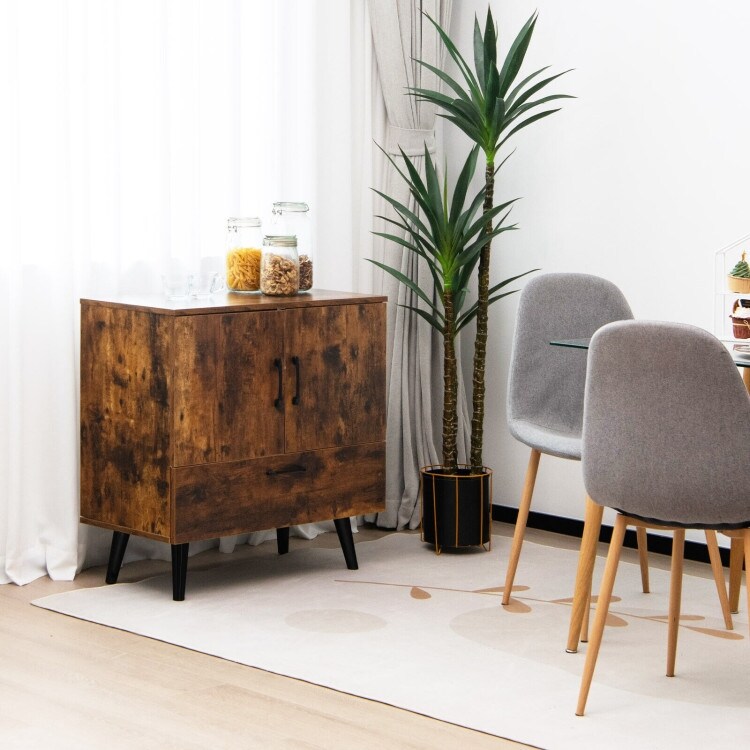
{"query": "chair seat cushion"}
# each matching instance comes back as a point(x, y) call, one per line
point(555, 442)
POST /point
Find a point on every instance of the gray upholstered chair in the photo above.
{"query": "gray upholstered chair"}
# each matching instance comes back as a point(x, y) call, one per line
point(545, 390)
point(666, 435)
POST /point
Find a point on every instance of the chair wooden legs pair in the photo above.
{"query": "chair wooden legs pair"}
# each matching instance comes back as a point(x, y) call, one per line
point(605, 595)
point(520, 530)
point(587, 557)
point(675, 596)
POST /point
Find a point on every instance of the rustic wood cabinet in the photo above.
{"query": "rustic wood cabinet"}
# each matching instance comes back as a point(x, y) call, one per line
point(246, 412)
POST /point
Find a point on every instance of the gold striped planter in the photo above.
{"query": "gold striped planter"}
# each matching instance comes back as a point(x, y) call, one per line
point(456, 507)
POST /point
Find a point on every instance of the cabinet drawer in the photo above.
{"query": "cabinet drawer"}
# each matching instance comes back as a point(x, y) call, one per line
point(222, 499)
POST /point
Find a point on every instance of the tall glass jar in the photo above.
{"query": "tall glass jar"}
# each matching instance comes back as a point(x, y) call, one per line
point(279, 266)
point(288, 218)
point(244, 245)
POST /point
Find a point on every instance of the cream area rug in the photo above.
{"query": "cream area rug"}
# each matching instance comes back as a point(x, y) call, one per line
point(427, 633)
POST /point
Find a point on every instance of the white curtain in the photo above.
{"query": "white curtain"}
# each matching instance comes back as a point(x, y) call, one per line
point(130, 131)
point(401, 33)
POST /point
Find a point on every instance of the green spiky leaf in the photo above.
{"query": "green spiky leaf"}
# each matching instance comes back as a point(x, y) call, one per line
point(516, 54)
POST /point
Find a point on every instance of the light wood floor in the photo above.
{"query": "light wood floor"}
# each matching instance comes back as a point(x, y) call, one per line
point(67, 683)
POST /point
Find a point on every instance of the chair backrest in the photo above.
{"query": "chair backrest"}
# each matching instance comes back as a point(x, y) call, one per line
point(666, 430)
point(546, 382)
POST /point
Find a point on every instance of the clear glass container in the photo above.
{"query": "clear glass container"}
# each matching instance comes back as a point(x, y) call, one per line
point(731, 292)
point(289, 218)
point(279, 266)
point(244, 248)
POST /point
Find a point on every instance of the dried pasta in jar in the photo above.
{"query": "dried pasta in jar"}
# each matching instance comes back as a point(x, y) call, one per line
point(305, 273)
point(279, 266)
point(243, 269)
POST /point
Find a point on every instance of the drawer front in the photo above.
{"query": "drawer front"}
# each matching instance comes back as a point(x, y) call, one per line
point(213, 500)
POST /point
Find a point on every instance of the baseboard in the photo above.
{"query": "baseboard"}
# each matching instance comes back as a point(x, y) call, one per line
point(571, 527)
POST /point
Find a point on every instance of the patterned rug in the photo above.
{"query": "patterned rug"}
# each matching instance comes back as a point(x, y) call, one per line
point(427, 633)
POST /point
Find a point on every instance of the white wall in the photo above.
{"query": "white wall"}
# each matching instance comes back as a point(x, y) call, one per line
point(640, 179)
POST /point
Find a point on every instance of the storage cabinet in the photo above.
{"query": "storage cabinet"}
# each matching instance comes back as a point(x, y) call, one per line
point(242, 413)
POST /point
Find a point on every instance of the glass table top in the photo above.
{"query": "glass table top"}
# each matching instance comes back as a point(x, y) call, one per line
point(572, 343)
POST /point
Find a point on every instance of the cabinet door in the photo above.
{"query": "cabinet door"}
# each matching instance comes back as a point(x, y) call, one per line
point(335, 367)
point(225, 384)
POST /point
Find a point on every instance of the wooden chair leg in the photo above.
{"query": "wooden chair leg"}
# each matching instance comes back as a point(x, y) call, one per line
point(642, 539)
point(746, 539)
point(602, 608)
point(520, 529)
point(586, 559)
point(587, 615)
point(718, 571)
point(675, 598)
point(735, 572)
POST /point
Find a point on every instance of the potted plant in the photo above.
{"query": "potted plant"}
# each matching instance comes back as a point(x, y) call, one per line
point(490, 107)
point(449, 236)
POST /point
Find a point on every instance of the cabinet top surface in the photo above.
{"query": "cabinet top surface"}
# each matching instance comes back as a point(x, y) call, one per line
point(231, 302)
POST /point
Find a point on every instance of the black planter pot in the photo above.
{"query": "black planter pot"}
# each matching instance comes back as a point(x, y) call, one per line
point(456, 507)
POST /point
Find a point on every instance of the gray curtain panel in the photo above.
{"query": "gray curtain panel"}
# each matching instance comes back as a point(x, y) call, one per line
point(415, 386)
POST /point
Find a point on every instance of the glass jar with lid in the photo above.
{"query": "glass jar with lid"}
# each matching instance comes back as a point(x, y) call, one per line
point(279, 266)
point(244, 246)
point(289, 218)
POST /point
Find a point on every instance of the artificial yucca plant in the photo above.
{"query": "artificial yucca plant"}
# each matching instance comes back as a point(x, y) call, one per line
point(490, 107)
point(448, 235)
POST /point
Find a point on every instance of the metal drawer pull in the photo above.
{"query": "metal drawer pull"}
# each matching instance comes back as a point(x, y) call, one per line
point(278, 401)
point(295, 399)
point(293, 469)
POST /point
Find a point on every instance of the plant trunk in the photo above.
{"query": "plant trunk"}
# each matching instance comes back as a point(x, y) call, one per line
point(480, 342)
point(450, 385)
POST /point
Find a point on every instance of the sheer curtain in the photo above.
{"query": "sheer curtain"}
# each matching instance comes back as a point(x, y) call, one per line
point(131, 131)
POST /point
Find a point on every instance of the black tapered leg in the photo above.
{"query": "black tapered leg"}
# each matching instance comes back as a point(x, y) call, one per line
point(179, 570)
point(344, 530)
point(116, 553)
point(282, 540)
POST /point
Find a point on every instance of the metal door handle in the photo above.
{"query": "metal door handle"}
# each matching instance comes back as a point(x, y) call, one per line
point(295, 399)
point(279, 400)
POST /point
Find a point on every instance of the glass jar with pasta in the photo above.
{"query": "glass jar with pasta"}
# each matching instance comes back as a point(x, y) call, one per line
point(244, 241)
